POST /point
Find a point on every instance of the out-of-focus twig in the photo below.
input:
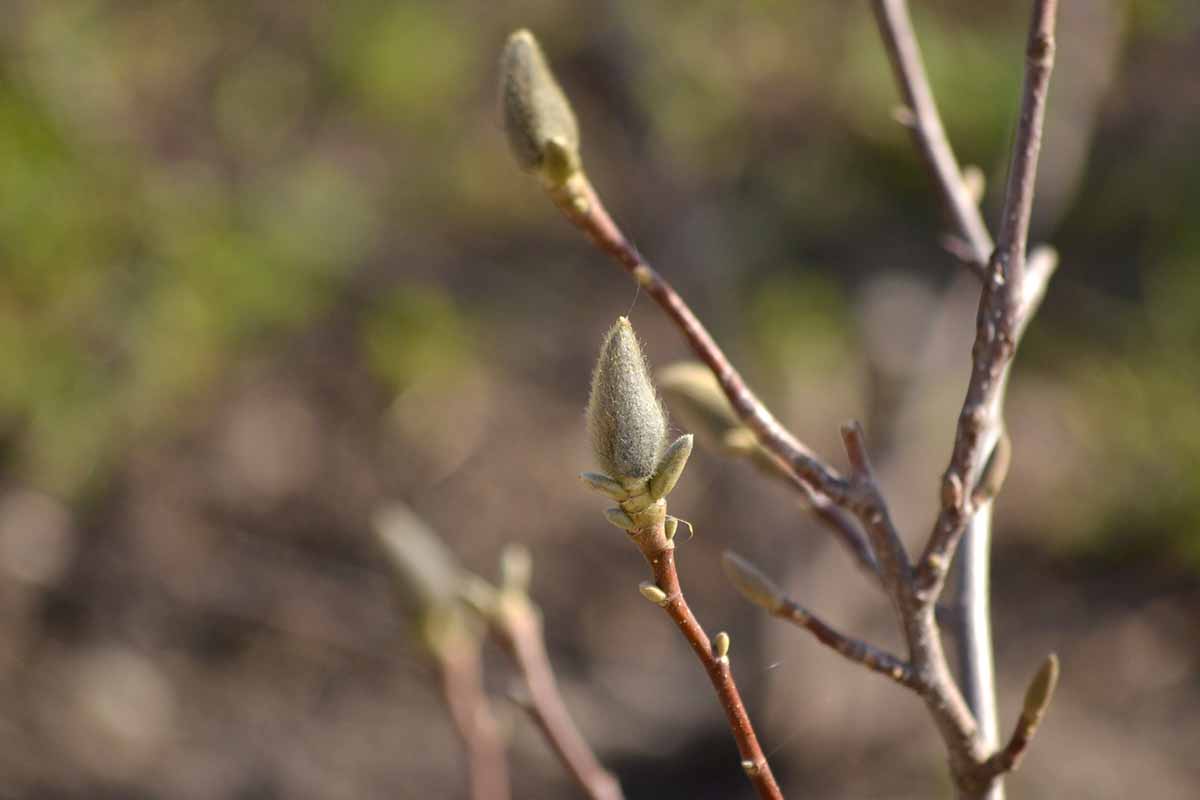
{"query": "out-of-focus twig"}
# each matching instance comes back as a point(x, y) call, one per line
point(517, 623)
point(430, 582)
point(972, 243)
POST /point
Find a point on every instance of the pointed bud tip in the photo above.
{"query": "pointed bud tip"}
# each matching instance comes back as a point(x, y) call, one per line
point(751, 582)
point(1041, 688)
point(652, 593)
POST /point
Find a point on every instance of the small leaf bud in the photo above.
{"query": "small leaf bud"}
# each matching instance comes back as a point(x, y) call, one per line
point(670, 467)
point(752, 583)
point(720, 645)
point(1041, 689)
point(652, 593)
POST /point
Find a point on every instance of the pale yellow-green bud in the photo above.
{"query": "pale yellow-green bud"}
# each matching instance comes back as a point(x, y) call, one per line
point(670, 467)
point(626, 421)
point(752, 583)
point(995, 470)
point(429, 579)
point(1041, 688)
point(652, 593)
point(426, 572)
point(697, 401)
point(605, 484)
point(538, 119)
point(721, 646)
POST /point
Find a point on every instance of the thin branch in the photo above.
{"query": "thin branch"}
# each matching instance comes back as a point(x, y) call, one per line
point(659, 552)
point(841, 524)
point(756, 587)
point(895, 27)
point(856, 650)
point(1008, 300)
point(873, 511)
point(518, 625)
point(971, 628)
point(462, 687)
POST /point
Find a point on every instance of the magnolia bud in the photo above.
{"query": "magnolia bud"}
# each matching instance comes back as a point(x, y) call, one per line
point(652, 593)
point(538, 119)
point(752, 583)
point(625, 419)
point(697, 401)
point(426, 572)
point(720, 645)
point(670, 467)
point(1041, 688)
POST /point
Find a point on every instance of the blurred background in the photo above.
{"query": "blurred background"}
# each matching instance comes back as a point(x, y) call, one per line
point(267, 266)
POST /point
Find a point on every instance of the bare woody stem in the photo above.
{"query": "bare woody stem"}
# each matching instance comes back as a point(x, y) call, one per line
point(518, 625)
point(896, 29)
point(1008, 300)
point(659, 552)
point(462, 687)
point(982, 415)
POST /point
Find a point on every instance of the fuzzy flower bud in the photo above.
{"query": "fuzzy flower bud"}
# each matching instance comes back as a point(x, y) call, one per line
point(538, 119)
point(625, 419)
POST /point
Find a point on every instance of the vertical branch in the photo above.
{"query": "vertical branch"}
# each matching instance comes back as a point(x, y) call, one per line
point(972, 625)
point(895, 27)
point(1005, 306)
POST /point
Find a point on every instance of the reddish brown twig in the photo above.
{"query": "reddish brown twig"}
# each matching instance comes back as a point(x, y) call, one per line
point(518, 625)
point(462, 687)
point(659, 552)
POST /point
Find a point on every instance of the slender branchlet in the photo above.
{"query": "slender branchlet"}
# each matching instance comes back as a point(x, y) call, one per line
point(432, 584)
point(756, 587)
point(517, 623)
point(538, 119)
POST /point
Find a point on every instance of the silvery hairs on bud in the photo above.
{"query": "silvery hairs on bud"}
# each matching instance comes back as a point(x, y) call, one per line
point(625, 418)
point(538, 119)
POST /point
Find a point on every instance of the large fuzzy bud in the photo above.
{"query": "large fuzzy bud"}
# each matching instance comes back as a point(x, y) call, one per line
point(625, 418)
point(538, 119)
